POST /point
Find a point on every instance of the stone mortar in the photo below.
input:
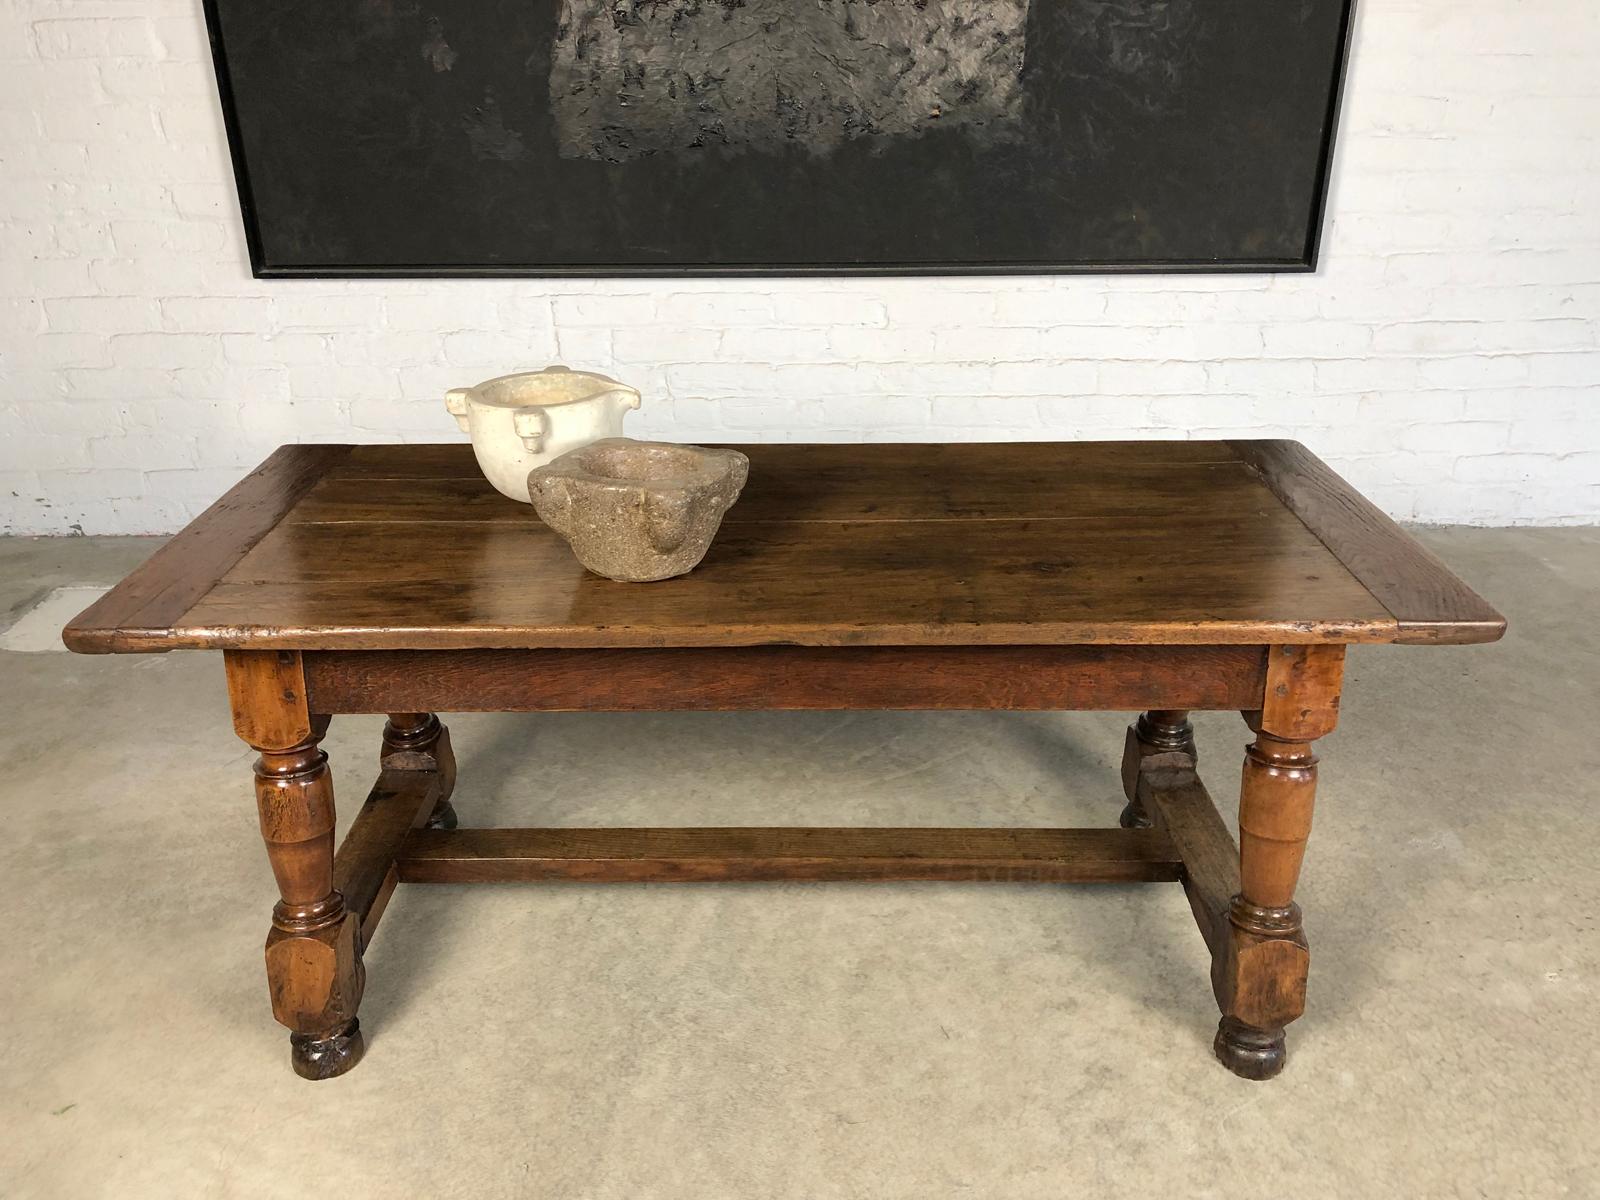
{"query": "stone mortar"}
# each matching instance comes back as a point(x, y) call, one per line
point(638, 511)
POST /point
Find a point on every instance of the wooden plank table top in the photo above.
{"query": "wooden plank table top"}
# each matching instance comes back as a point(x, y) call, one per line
point(1113, 543)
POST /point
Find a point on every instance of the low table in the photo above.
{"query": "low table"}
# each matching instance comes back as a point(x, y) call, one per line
point(1161, 577)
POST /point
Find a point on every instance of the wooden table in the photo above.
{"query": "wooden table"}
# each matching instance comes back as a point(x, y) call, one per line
point(1160, 577)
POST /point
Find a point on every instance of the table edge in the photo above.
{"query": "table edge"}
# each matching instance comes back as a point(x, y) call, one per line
point(140, 614)
point(1429, 602)
point(992, 635)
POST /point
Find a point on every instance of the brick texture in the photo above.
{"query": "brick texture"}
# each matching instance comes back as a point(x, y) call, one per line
point(1444, 357)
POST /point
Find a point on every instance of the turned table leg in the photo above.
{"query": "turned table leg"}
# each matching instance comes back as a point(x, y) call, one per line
point(418, 741)
point(1259, 971)
point(314, 967)
point(314, 971)
point(1263, 982)
point(1160, 731)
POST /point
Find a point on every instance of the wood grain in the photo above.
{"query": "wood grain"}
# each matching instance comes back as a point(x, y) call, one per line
point(1430, 603)
point(875, 482)
point(1304, 692)
point(1180, 807)
point(1159, 733)
point(363, 869)
point(831, 545)
point(1177, 543)
point(454, 460)
point(1259, 973)
point(267, 692)
point(1275, 807)
point(143, 612)
point(313, 951)
point(774, 854)
point(1050, 678)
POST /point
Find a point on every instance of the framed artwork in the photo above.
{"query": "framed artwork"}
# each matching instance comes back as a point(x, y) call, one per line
point(722, 137)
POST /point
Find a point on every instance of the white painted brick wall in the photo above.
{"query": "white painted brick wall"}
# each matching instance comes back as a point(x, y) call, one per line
point(1445, 357)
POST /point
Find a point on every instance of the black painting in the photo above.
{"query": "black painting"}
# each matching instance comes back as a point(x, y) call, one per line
point(422, 137)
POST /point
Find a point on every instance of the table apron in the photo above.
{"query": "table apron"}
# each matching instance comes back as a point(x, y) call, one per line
point(1043, 678)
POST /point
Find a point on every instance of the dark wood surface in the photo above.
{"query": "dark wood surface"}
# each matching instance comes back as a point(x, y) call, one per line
point(773, 854)
point(1179, 805)
point(725, 678)
point(1166, 575)
point(363, 868)
point(1430, 603)
point(313, 952)
point(1198, 543)
point(145, 611)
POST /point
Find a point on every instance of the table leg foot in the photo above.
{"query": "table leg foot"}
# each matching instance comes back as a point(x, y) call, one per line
point(1248, 1052)
point(1134, 817)
point(329, 1055)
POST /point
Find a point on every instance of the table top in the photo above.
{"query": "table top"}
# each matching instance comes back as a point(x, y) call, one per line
point(1174, 542)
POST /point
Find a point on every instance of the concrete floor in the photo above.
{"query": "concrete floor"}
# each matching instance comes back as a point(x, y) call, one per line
point(873, 1041)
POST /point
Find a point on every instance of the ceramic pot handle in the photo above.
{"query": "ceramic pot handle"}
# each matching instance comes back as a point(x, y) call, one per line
point(531, 425)
point(455, 400)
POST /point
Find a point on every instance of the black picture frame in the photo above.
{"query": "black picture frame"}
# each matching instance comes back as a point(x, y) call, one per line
point(264, 266)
